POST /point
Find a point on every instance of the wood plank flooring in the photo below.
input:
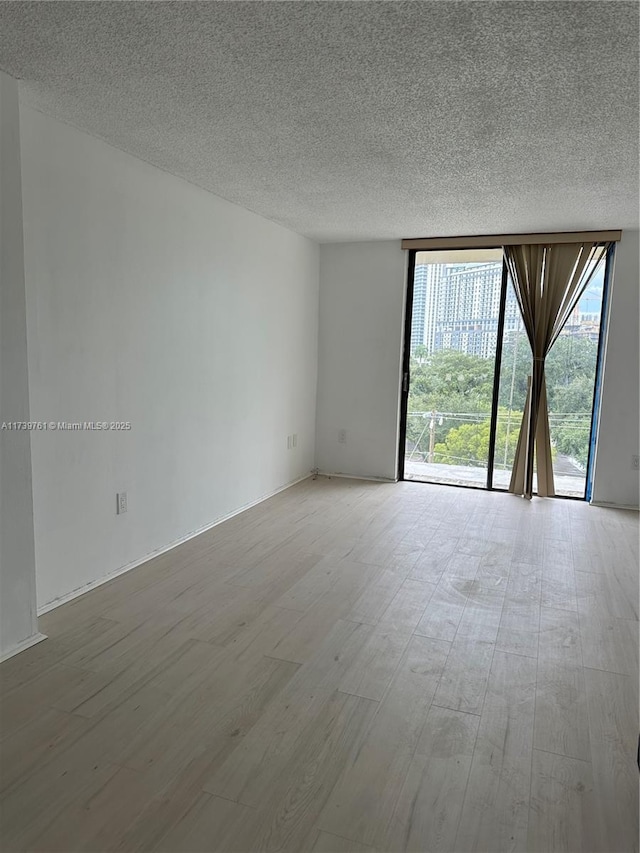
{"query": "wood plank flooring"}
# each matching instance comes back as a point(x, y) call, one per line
point(349, 667)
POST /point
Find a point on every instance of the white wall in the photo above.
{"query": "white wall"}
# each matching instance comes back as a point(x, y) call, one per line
point(18, 624)
point(362, 288)
point(615, 480)
point(154, 302)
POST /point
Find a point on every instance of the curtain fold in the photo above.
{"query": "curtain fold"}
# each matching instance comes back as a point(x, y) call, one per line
point(548, 281)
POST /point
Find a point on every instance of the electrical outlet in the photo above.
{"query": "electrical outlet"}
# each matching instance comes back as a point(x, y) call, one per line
point(342, 436)
point(294, 440)
point(635, 463)
point(121, 503)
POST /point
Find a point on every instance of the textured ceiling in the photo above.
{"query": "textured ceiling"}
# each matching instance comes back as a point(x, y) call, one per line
point(356, 120)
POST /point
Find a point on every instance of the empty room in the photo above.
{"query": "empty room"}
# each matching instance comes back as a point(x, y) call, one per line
point(319, 426)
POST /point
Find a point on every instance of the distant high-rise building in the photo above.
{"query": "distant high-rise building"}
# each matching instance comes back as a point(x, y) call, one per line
point(457, 306)
point(417, 311)
point(425, 294)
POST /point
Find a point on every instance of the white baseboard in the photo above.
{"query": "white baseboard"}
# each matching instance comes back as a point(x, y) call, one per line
point(21, 647)
point(370, 479)
point(612, 505)
point(76, 593)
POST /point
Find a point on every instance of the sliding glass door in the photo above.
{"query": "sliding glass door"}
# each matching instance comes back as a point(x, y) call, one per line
point(571, 369)
point(467, 359)
point(452, 360)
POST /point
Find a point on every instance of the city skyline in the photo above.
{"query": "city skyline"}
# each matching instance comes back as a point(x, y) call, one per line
point(456, 306)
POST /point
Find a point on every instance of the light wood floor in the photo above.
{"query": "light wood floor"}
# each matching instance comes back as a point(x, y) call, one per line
point(349, 666)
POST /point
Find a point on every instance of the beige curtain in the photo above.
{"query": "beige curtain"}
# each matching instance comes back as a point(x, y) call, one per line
point(548, 281)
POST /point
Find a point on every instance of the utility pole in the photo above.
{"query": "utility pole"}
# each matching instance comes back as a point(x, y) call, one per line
point(432, 435)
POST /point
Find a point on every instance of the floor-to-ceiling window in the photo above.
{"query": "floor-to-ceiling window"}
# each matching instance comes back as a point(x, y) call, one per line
point(466, 366)
point(454, 336)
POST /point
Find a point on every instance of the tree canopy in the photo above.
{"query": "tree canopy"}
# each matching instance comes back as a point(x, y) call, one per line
point(469, 444)
point(458, 388)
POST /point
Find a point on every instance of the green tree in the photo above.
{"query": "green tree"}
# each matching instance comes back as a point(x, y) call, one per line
point(450, 374)
point(458, 388)
point(446, 383)
point(571, 358)
point(515, 367)
point(572, 439)
point(469, 444)
point(419, 353)
point(569, 371)
point(574, 397)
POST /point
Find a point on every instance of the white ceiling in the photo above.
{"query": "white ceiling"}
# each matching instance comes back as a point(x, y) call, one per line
point(356, 120)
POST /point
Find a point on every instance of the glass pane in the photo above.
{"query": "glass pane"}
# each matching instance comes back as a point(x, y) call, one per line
point(570, 375)
point(456, 301)
point(515, 367)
